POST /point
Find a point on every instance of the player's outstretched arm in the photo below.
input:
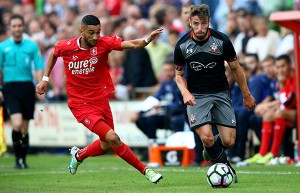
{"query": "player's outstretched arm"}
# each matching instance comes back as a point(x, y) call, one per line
point(42, 86)
point(140, 43)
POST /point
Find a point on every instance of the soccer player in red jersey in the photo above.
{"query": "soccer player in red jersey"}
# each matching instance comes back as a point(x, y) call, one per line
point(89, 84)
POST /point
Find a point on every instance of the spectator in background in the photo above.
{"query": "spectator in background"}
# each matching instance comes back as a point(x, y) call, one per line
point(70, 14)
point(107, 25)
point(261, 86)
point(54, 19)
point(132, 13)
point(143, 27)
point(101, 11)
point(158, 52)
point(54, 6)
point(116, 71)
point(286, 44)
point(17, 56)
point(28, 12)
point(278, 114)
point(231, 25)
point(5, 20)
point(118, 26)
point(164, 110)
point(185, 16)
point(35, 30)
point(245, 26)
point(50, 36)
point(265, 42)
point(173, 37)
point(163, 18)
point(138, 71)
point(113, 7)
point(252, 63)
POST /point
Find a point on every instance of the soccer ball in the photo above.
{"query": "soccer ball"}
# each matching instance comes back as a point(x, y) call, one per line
point(219, 175)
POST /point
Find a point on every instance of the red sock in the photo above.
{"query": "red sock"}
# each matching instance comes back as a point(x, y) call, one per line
point(126, 154)
point(279, 129)
point(266, 134)
point(91, 150)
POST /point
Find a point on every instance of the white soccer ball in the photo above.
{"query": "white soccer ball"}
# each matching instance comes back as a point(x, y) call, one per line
point(219, 175)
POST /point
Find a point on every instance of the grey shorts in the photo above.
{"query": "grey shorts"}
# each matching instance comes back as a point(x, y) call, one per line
point(212, 109)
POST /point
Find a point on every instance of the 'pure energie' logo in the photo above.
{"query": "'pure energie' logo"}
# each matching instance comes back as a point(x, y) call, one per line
point(83, 66)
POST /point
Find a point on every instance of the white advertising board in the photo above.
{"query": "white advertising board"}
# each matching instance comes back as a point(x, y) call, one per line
point(55, 126)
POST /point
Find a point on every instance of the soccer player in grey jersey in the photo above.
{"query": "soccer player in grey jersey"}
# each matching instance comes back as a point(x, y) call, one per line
point(205, 88)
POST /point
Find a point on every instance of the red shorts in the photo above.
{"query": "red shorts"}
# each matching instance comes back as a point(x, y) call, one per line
point(90, 113)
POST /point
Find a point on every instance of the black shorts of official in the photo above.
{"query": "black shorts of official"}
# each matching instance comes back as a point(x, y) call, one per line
point(19, 97)
point(212, 109)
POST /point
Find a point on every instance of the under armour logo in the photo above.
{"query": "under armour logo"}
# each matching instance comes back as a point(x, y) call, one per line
point(232, 121)
point(189, 51)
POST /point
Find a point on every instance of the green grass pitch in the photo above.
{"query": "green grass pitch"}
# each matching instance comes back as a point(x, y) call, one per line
point(110, 174)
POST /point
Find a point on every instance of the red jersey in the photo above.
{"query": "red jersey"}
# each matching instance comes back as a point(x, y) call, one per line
point(288, 94)
point(87, 73)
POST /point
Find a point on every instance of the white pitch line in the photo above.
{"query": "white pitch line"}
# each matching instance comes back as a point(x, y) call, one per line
point(28, 172)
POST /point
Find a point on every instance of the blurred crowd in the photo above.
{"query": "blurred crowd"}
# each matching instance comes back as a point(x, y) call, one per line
point(244, 21)
point(259, 44)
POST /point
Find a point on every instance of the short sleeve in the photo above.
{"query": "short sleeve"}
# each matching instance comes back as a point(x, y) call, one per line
point(57, 49)
point(178, 59)
point(114, 43)
point(229, 52)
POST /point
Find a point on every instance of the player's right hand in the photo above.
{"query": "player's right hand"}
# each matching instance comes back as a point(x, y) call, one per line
point(41, 87)
point(189, 99)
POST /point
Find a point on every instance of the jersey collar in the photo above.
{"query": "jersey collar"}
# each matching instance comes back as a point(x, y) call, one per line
point(78, 43)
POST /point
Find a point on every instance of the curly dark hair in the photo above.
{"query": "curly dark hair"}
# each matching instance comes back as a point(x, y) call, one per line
point(202, 11)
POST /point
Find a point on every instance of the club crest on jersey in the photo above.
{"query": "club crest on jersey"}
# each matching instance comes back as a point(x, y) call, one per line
point(192, 118)
point(94, 51)
point(214, 47)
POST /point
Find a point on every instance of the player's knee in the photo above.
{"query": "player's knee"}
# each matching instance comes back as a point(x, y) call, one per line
point(207, 140)
point(113, 139)
point(228, 143)
point(17, 125)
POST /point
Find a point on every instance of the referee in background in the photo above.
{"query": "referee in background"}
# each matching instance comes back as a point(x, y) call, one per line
point(17, 56)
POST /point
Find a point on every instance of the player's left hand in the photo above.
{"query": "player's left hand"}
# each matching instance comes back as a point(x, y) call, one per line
point(154, 34)
point(249, 102)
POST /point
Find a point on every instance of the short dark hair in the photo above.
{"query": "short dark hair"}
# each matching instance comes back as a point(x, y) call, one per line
point(252, 55)
point(17, 16)
point(160, 16)
point(202, 11)
point(242, 12)
point(90, 20)
point(284, 57)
